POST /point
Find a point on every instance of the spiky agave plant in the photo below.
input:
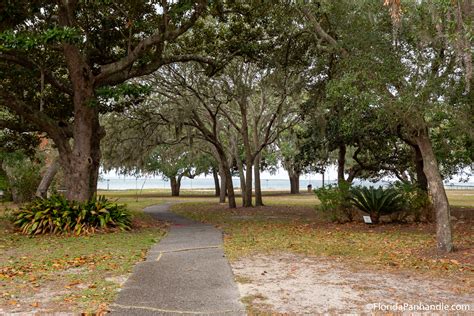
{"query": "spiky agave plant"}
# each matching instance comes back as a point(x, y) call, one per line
point(376, 201)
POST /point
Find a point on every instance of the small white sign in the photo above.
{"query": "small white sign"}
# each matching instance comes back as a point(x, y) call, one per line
point(367, 219)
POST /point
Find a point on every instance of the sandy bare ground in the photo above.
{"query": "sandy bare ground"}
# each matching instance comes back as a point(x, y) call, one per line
point(293, 284)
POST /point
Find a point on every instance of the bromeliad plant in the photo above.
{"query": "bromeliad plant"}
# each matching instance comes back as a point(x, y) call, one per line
point(57, 215)
point(376, 201)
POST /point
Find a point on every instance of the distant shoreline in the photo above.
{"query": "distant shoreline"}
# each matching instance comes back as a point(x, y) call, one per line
point(121, 184)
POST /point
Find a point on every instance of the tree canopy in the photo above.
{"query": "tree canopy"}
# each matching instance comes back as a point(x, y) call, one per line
point(378, 88)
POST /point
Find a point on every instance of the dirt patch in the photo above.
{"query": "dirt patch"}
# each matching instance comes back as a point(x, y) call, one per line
point(288, 283)
point(35, 300)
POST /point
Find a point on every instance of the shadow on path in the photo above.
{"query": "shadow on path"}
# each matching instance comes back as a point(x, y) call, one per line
point(186, 273)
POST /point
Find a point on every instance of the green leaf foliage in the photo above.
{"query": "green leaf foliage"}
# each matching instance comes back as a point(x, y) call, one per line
point(416, 203)
point(21, 174)
point(376, 201)
point(57, 215)
point(13, 40)
point(335, 202)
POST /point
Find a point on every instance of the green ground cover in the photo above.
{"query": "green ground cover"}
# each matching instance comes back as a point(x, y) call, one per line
point(82, 274)
point(70, 273)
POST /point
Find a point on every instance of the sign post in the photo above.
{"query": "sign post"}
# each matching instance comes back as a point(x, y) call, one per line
point(367, 219)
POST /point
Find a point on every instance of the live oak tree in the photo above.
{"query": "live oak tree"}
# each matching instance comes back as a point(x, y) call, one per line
point(259, 94)
point(230, 109)
point(185, 98)
point(137, 143)
point(296, 158)
point(290, 163)
point(173, 113)
point(348, 104)
point(432, 42)
point(261, 105)
point(172, 162)
point(425, 76)
point(382, 79)
point(343, 87)
point(353, 125)
point(176, 162)
point(425, 93)
point(71, 49)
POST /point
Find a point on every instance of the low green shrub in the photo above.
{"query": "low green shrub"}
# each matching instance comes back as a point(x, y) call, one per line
point(417, 205)
point(57, 215)
point(377, 201)
point(4, 186)
point(335, 202)
point(22, 177)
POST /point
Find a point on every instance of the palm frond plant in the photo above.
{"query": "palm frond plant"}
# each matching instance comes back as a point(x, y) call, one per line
point(376, 201)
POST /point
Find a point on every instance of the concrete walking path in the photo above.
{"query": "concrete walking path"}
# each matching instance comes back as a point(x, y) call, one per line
point(186, 273)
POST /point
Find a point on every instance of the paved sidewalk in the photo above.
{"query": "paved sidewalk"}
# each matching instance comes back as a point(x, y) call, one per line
point(186, 273)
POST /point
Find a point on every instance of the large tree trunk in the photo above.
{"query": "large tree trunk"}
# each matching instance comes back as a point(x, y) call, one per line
point(249, 159)
point(421, 180)
point(223, 191)
point(227, 176)
point(257, 162)
point(248, 183)
point(258, 185)
point(341, 163)
point(240, 166)
point(294, 181)
point(436, 189)
point(175, 183)
point(47, 179)
point(217, 187)
point(230, 187)
point(81, 164)
point(242, 183)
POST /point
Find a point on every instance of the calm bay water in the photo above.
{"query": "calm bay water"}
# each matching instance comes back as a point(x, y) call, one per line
point(208, 183)
point(205, 183)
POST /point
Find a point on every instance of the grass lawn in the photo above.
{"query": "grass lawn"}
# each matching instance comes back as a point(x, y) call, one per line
point(82, 274)
point(291, 224)
point(461, 198)
point(69, 273)
point(78, 274)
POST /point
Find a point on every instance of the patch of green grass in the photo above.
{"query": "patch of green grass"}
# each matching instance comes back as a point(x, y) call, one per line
point(70, 273)
point(74, 268)
point(461, 198)
point(298, 229)
point(304, 199)
point(136, 203)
